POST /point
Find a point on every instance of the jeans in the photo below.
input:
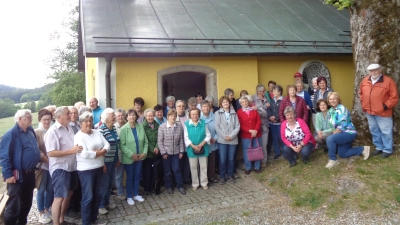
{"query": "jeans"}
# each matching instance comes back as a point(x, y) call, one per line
point(133, 178)
point(44, 196)
point(264, 141)
point(172, 161)
point(226, 158)
point(19, 199)
point(92, 191)
point(382, 132)
point(305, 152)
point(211, 165)
point(108, 181)
point(276, 138)
point(342, 143)
point(246, 144)
point(119, 177)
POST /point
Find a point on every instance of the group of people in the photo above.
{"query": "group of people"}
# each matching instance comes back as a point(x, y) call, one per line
point(88, 149)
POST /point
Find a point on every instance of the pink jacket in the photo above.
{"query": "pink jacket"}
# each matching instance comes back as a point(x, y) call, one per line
point(304, 127)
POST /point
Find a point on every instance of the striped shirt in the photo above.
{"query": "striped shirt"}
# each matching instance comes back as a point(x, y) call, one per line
point(113, 139)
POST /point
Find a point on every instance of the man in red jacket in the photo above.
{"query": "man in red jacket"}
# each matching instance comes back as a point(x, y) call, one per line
point(378, 96)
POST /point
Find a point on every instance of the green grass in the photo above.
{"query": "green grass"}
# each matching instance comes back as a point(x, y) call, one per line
point(372, 185)
point(246, 213)
point(7, 123)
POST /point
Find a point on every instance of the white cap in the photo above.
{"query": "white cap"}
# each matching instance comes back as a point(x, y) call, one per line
point(373, 67)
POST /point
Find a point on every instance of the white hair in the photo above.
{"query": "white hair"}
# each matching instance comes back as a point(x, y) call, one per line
point(60, 110)
point(259, 86)
point(85, 116)
point(72, 107)
point(21, 113)
point(149, 110)
point(50, 106)
point(314, 79)
point(170, 98)
point(105, 113)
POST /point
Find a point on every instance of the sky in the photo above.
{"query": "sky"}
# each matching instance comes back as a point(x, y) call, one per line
point(27, 27)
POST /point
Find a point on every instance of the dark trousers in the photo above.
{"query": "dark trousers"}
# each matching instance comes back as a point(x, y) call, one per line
point(20, 197)
point(269, 144)
point(171, 164)
point(211, 165)
point(290, 154)
point(92, 191)
point(148, 174)
point(75, 202)
point(185, 168)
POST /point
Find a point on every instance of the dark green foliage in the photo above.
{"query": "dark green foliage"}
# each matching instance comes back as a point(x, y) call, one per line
point(7, 107)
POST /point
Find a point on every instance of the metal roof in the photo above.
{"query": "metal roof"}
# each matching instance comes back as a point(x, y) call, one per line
point(130, 28)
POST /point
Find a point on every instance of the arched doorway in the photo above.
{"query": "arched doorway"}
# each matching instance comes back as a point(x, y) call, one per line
point(314, 68)
point(185, 80)
point(183, 85)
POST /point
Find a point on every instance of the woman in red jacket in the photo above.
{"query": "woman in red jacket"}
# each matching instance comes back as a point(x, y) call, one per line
point(294, 101)
point(250, 127)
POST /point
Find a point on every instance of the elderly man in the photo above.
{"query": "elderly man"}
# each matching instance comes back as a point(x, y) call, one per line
point(96, 110)
point(378, 96)
point(19, 154)
point(182, 118)
point(78, 105)
point(73, 113)
point(59, 141)
point(299, 77)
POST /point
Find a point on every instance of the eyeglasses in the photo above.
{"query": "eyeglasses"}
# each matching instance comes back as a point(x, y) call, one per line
point(28, 117)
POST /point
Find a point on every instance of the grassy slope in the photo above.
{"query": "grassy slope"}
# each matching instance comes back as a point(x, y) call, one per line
point(372, 185)
point(7, 123)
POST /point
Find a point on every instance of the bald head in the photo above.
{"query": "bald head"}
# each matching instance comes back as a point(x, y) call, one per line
point(93, 103)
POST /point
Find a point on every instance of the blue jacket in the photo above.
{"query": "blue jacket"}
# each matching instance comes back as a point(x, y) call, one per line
point(11, 152)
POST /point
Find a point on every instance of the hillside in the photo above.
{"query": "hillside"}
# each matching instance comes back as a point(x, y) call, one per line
point(22, 94)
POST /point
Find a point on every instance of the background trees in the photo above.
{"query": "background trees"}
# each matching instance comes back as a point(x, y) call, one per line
point(376, 39)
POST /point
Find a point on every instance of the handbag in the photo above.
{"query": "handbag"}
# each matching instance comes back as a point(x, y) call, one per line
point(38, 175)
point(255, 153)
point(201, 152)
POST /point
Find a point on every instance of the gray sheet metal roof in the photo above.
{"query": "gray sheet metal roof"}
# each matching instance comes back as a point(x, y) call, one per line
point(129, 28)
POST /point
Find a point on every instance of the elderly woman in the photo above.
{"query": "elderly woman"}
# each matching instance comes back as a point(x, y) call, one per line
point(229, 93)
point(159, 114)
point(90, 166)
point(111, 160)
point(138, 103)
point(312, 90)
point(134, 147)
point(170, 104)
point(213, 108)
point(199, 97)
point(151, 130)
point(323, 128)
point(261, 104)
point(197, 140)
point(170, 142)
point(250, 127)
point(344, 133)
point(209, 118)
point(305, 95)
point(274, 120)
point(44, 196)
point(119, 168)
point(227, 127)
point(296, 137)
point(294, 101)
point(323, 91)
point(237, 103)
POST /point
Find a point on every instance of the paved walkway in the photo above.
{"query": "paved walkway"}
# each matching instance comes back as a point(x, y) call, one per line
point(166, 208)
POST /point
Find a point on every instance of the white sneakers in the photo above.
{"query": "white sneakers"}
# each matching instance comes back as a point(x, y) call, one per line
point(130, 201)
point(138, 198)
point(44, 218)
point(365, 152)
point(103, 211)
point(332, 163)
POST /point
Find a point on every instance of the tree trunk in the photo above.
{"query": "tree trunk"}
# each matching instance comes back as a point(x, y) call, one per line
point(375, 29)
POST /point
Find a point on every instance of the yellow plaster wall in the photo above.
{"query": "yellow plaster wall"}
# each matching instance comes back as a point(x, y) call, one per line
point(281, 70)
point(91, 76)
point(138, 76)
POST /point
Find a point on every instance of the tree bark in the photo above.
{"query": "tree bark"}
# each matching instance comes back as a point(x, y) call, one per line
point(375, 29)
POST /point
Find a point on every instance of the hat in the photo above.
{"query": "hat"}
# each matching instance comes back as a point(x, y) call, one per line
point(297, 74)
point(373, 67)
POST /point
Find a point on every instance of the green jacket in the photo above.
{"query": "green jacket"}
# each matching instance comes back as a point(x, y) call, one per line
point(128, 144)
point(151, 137)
